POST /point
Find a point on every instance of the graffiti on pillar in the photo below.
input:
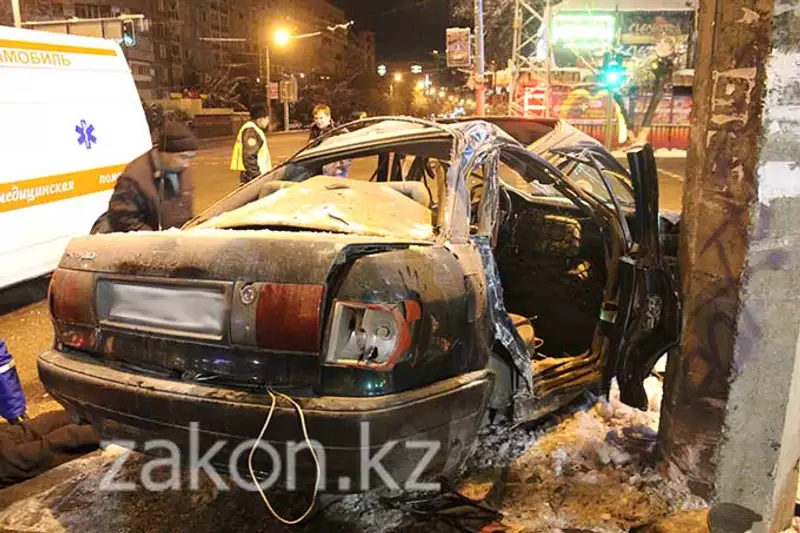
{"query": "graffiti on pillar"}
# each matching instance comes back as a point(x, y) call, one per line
point(731, 108)
point(717, 326)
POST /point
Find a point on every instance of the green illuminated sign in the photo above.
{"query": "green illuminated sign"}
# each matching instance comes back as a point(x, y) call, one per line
point(583, 31)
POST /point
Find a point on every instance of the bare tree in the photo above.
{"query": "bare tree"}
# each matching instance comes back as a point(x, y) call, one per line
point(498, 24)
point(654, 72)
point(223, 89)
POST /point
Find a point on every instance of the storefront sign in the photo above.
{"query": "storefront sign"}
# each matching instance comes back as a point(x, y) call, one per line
point(573, 30)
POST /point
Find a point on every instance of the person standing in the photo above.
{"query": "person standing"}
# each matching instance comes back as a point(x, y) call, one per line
point(251, 155)
point(322, 121)
point(155, 191)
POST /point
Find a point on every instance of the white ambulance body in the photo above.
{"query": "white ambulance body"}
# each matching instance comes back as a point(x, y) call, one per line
point(70, 121)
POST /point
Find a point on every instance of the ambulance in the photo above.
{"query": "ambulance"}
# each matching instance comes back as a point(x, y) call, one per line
point(70, 121)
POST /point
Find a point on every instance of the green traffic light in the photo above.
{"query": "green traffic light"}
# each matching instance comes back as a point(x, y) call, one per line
point(612, 76)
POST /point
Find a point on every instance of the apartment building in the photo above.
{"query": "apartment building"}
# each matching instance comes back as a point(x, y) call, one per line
point(173, 50)
point(140, 58)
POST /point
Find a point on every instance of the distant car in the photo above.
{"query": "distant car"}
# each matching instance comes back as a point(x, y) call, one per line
point(491, 272)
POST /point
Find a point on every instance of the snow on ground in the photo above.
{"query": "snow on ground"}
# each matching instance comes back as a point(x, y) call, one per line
point(589, 468)
point(595, 471)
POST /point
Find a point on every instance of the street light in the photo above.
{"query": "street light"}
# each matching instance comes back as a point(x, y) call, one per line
point(420, 85)
point(282, 37)
point(442, 94)
point(398, 77)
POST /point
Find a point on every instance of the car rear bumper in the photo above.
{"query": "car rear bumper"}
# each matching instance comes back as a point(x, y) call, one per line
point(125, 406)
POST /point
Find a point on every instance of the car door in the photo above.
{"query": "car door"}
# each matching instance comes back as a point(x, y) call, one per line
point(640, 316)
point(650, 319)
point(644, 322)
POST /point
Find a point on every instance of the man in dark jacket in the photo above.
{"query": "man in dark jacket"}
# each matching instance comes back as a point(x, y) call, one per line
point(322, 121)
point(155, 191)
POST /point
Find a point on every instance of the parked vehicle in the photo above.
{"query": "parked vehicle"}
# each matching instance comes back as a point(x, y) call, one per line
point(72, 120)
point(493, 273)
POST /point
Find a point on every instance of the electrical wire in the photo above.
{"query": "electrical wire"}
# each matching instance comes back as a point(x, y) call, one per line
point(274, 396)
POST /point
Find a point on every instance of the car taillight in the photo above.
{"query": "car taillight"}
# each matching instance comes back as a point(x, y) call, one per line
point(374, 336)
point(71, 297)
point(288, 317)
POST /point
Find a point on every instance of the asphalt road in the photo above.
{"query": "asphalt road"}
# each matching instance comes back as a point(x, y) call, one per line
point(24, 318)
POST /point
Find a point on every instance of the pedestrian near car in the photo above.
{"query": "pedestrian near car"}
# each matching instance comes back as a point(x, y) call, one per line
point(155, 191)
point(322, 121)
point(251, 155)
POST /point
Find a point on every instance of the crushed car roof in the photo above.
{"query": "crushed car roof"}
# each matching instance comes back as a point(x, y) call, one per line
point(385, 130)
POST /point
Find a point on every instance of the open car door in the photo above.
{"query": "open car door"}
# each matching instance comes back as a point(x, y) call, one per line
point(640, 315)
point(640, 319)
point(650, 317)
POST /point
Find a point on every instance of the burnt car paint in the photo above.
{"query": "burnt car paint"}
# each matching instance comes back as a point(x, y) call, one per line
point(463, 328)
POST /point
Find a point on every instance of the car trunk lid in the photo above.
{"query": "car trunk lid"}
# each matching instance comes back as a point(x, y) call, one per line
point(245, 307)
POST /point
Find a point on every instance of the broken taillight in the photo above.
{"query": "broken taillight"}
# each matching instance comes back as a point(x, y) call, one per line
point(71, 297)
point(374, 336)
point(71, 300)
point(288, 317)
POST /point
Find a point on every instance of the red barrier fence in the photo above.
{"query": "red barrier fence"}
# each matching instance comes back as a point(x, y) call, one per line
point(670, 136)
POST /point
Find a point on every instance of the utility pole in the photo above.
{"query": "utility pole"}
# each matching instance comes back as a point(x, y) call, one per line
point(548, 98)
point(480, 71)
point(285, 107)
point(609, 118)
point(17, 14)
point(267, 78)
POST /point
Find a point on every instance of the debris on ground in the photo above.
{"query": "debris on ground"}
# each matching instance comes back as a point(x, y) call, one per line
point(593, 470)
point(590, 468)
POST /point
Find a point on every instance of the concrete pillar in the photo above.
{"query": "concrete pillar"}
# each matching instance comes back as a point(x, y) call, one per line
point(731, 413)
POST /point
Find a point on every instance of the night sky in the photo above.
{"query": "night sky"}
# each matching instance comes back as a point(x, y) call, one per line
point(404, 29)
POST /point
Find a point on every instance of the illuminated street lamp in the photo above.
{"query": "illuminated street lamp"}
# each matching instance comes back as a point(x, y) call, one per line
point(442, 94)
point(282, 37)
point(398, 77)
point(420, 85)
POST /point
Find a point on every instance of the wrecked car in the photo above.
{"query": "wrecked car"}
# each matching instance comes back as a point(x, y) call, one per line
point(464, 273)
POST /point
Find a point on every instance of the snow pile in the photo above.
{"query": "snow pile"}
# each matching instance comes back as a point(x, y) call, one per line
point(595, 470)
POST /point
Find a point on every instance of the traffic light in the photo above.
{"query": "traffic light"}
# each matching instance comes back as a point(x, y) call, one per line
point(613, 74)
point(128, 33)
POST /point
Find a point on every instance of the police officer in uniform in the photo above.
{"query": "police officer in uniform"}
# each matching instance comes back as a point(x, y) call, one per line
point(250, 153)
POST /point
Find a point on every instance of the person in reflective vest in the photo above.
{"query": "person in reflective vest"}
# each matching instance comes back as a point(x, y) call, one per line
point(250, 153)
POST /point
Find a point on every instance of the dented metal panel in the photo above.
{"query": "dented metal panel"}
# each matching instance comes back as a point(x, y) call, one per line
point(325, 203)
